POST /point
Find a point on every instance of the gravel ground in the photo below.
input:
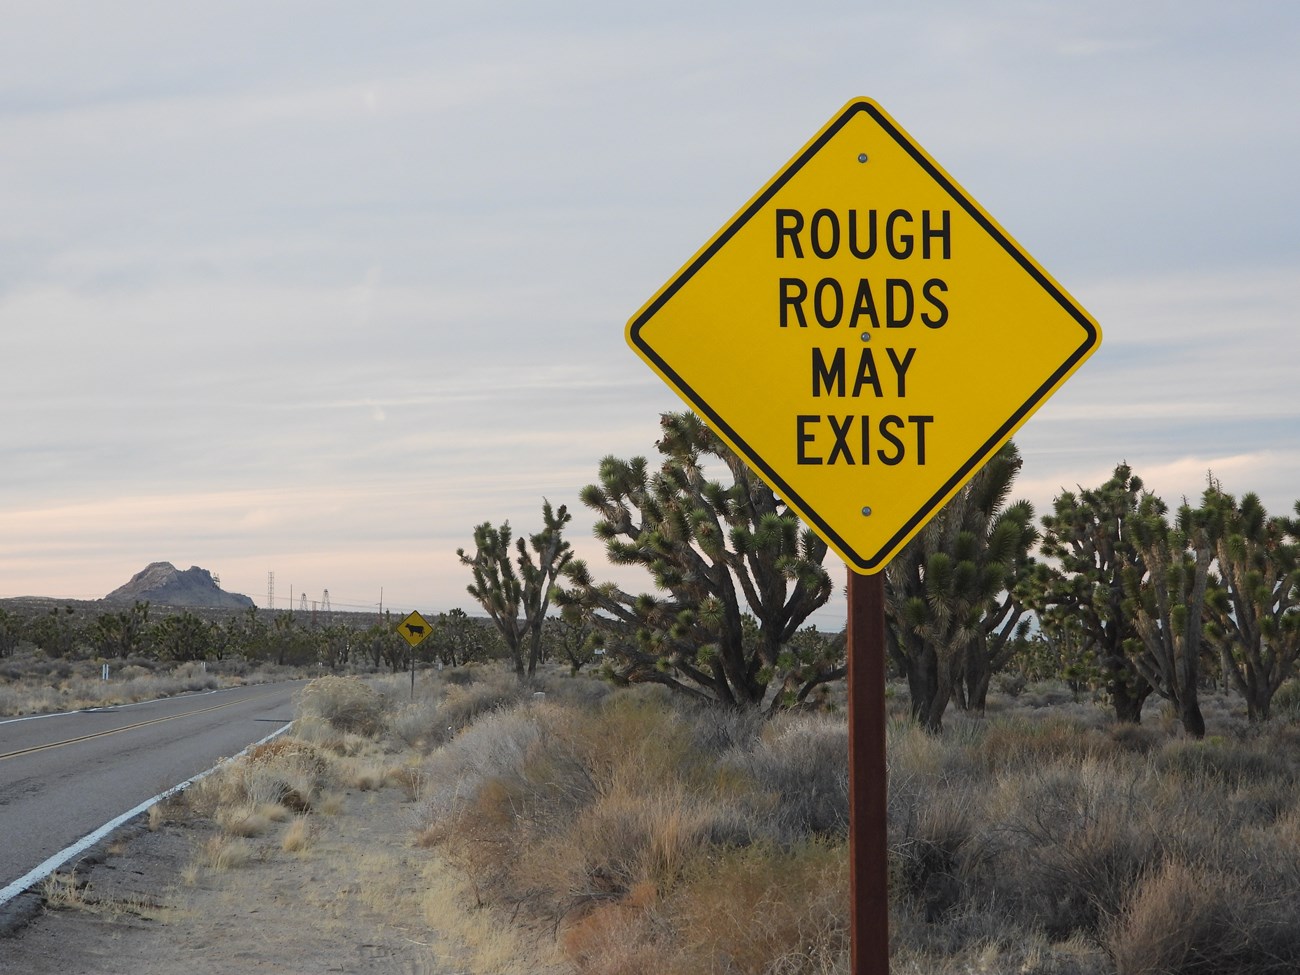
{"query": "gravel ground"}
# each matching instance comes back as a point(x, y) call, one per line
point(356, 900)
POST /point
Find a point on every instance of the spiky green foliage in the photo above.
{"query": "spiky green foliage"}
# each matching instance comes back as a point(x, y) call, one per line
point(1168, 603)
point(121, 634)
point(717, 553)
point(954, 598)
point(516, 593)
point(183, 636)
point(1079, 593)
point(1254, 617)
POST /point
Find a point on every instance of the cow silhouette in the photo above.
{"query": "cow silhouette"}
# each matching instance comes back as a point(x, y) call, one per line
point(414, 629)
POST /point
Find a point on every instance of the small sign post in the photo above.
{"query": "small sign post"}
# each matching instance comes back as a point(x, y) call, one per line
point(866, 337)
point(414, 630)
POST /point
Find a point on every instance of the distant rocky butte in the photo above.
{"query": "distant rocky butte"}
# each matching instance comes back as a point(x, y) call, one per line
point(163, 584)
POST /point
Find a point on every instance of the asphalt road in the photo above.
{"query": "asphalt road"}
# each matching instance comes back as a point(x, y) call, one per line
point(63, 776)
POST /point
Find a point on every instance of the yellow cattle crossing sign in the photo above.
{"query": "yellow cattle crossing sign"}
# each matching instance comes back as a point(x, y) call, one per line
point(414, 629)
point(864, 335)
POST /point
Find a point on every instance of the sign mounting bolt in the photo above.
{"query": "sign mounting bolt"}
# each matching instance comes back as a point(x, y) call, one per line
point(862, 157)
point(866, 510)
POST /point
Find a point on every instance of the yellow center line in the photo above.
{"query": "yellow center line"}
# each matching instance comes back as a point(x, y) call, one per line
point(129, 727)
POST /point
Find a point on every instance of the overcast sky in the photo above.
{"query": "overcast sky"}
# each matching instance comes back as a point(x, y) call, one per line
point(313, 288)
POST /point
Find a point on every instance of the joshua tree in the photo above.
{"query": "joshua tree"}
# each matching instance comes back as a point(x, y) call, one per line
point(1089, 538)
point(1254, 619)
point(517, 601)
point(1168, 603)
point(121, 634)
point(952, 594)
point(719, 554)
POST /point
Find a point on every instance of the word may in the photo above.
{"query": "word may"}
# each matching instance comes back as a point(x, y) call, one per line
point(831, 376)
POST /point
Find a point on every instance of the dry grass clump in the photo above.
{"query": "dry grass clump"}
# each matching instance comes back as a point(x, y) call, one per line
point(364, 775)
point(462, 704)
point(1221, 762)
point(283, 774)
point(415, 722)
point(347, 704)
point(62, 891)
point(297, 838)
point(797, 894)
point(68, 891)
point(411, 779)
point(245, 821)
point(607, 825)
point(799, 768)
point(221, 853)
point(1198, 919)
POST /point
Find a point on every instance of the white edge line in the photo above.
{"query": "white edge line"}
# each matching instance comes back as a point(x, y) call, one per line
point(90, 839)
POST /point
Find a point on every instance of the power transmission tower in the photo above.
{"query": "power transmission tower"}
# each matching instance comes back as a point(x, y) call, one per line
point(270, 590)
point(325, 606)
point(302, 605)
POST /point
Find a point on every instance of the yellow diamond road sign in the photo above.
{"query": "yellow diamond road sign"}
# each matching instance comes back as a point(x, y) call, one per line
point(864, 335)
point(414, 629)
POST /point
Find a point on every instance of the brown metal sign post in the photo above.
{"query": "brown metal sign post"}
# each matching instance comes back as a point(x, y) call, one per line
point(868, 792)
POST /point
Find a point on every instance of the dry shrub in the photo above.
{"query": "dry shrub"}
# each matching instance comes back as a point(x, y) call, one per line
point(347, 704)
point(416, 722)
point(64, 891)
point(1003, 949)
point(285, 772)
point(586, 693)
point(492, 747)
point(553, 809)
point(1227, 763)
point(800, 767)
point(765, 909)
point(636, 741)
point(716, 730)
point(1081, 839)
point(409, 778)
point(1137, 738)
point(1285, 705)
point(626, 839)
point(224, 787)
point(225, 853)
point(498, 796)
point(461, 705)
point(614, 939)
point(1191, 919)
point(319, 732)
point(912, 751)
point(297, 838)
point(1021, 742)
point(245, 821)
point(933, 856)
point(364, 776)
point(274, 813)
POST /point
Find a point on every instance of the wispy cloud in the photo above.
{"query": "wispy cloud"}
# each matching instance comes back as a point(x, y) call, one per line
point(320, 301)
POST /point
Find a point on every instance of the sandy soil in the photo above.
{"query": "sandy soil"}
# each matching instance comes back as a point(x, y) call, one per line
point(357, 900)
